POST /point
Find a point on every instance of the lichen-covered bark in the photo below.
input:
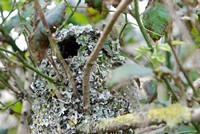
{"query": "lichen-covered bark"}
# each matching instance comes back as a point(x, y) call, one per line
point(171, 116)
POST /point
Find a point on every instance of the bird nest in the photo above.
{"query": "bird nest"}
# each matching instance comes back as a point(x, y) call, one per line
point(54, 115)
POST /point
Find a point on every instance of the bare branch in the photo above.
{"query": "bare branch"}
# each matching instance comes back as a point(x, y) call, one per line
point(93, 56)
point(54, 46)
point(23, 126)
point(182, 69)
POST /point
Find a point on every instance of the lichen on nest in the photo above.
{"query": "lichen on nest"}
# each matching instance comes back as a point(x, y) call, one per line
point(54, 115)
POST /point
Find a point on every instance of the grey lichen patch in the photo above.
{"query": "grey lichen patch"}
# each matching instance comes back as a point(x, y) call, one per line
point(52, 114)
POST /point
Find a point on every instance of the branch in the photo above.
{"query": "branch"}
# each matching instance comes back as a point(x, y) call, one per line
point(71, 14)
point(5, 38)
point(5, 18)
point(136, 15)
point(151, 118)
point(12, 104)
point(182, 69)
point(7, 84)
point(54, 47)
point(169, 87)
point(28, 65)
point(23, 127)
point(93, 56)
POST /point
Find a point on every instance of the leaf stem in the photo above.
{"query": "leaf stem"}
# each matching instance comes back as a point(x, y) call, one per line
point(170, 88)
point(136, 15)
point(71, 14)
point(28, 65)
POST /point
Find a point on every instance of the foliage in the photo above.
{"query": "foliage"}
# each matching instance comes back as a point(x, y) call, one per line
point(157, 56)
point(156, 19)
point(196, 35)
point(127, 72)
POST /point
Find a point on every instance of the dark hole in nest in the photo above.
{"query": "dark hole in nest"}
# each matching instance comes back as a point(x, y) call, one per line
point(69, 47)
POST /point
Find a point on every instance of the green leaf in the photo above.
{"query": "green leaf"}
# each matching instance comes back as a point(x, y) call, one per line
point(17, 107)
point(14, 22)
point(127, 72)
point(142, 51)
point(177, 42)
point(196, 36)
point(6, 4)
point(150, 88)
point(26, 14)
point(165, 47)
point(186, 129)
point(79, 19)
point(2, 86)
point(128, 36)
point(96, 4)
point(156, 19)
point(158, 57)
point(95, 15)
point(54, 19)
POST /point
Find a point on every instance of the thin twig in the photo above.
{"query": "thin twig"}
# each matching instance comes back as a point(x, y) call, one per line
point(24, 26)
point(54, 47)
point(9, 59)
point(68, 5)
point(136, 15)
point(183, 71)
point(71, 14)
point(20, 84)
point(123, 27)
point(93, 56)
point(170, 88)
point(7, 84)
point(23, 126)
point(11, 10)
point(28, 65)
point(12, 104)
point(5, 37)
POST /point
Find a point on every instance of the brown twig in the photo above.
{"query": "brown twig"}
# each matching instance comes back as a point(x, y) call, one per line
point(93, 56)
point(27, 65)
point(12, 104)
point(25, 31)
point(7, 84)
point(182, 69)
point(23, 126)
point(54, 46)
point(181, 26)
point(6, 38)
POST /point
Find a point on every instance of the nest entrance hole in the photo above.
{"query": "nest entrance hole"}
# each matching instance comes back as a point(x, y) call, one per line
point(69, 47)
